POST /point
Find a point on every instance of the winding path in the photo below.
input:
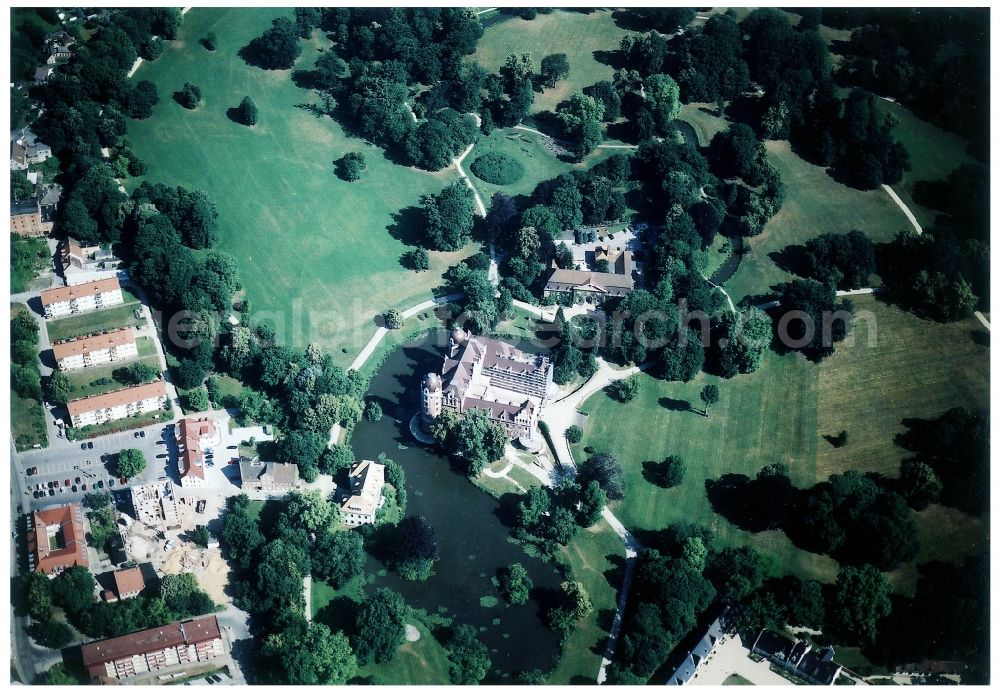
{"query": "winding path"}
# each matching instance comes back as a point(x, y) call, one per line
point(480, 208)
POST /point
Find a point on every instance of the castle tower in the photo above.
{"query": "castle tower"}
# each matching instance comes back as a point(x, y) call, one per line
point(430, 397)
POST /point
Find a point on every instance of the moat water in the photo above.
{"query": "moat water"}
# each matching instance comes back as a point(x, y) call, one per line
point(472, 541)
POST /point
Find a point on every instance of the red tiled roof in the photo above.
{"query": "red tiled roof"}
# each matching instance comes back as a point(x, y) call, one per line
point(83, 346)
point(190, 632)
point(64, 294)
point(74, 551)
point(129, 581)
point(133, 394)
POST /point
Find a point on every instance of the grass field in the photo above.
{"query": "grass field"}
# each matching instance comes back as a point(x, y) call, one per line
point(583, 37)
point(702, 118)
point(83, 379)
point(815, 204)
point(737, 679)
point(320, 254)
point(539, 164)
point(934, 153)
point(597, 558)
point(27, 422)
point(781, 412)
point(94, 322)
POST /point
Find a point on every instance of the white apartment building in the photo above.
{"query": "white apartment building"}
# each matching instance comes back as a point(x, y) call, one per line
point(359, 507)
point(113, 346)
point(107, 407)
point(76, 299)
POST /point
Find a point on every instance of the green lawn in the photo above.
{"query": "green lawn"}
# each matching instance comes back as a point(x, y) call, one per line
point(596, 555)
point(130, 423)
point(702, 118)
point(737, 679)
point(320, 254)
point(94, 322)
point(780, 413)
point(527, 148)
point(815, 204)
point(581, 36)
point(934, 153)
point(27, 422)
point(83, 379)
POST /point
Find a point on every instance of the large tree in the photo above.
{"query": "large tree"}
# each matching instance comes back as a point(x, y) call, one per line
point(514, 584)
point(448, 217)
point(308, 653)
point(415, 548)
point(379, 626)
point(278, 47)
point(860, 600)
point(129, 463)
point(470, 659)
point(605, 469)
point(338, 557)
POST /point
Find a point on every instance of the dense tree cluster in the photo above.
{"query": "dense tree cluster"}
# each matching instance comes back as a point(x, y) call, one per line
point(843, 260)
point(25, 379)
point(810, 319)
point(473, 441)
point(277, 48)
point(549, 517)
point(934, 60)
point(447, 217)
point(351, 166)
point(470, 659)
point(414, 548)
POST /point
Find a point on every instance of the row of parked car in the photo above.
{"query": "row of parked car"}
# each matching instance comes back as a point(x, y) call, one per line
point(54, 487)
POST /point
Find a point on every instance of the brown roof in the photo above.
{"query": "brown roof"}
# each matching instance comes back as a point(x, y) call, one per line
point(189, 434)
point(133, 394)
point(129, 581)
point(190, 632)
point(497, 409)
point(69, 518)
point(18, 152)
point(83, 346)
point(616, 283)
point(64, 294)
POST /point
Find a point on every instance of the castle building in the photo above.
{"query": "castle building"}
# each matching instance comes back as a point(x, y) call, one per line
point(510, 385)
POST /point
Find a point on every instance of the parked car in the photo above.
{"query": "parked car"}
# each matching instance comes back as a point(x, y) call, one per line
point(99, 484)
point(142, 435)
point(77, 481)
point(32, 471)
point(111, 482)
point(233, 446)
point(84, 487)
point(123, 481)
point(66, 483)
point(52, 492)
point(161, 456)
point(73, 488)
point(84, 445)
point(135, 435)
point(90, 445)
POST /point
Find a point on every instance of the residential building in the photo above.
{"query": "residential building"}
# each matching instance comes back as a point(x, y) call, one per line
point(57, 52)
point(709, 641)
point(49, 195)
point(267, 476)
point(82, 263)
point(57, 540)
point(113, 346)
point(26, 148)
point(128, 583)
point(510, 385)
point(26, 218)
point(156, 506)
point(75, 299)
point(592, 286)
point(107, 407)
point(156, 649)
point(367, 479)
point(194, 437)
point(42, 73)
point(798, 657)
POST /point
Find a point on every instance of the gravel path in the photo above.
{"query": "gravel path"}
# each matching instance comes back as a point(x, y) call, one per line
point(904, 208)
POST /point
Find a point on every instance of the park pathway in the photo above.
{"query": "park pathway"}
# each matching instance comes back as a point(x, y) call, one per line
point(902, 206)
point(138, 61)
point(982, 319)
point(480, 208)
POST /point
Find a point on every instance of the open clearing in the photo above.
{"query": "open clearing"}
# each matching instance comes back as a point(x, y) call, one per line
point(320, 255)
point(583, 35)
point(779, 413)
point(94, 322)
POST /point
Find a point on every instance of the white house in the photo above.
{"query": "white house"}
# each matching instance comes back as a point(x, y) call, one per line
point(107, 407)
point(367, 479)
point(194, 436)
point(76, 299)
point(113, 346)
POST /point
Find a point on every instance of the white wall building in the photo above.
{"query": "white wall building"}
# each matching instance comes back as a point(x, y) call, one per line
point(114, 346)
point(65, 301)
point(117, 405)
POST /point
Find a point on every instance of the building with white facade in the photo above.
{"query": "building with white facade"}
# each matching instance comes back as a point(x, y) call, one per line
point(96, 410)
point(367, 479)
point(113, 346)
point(194, 436)
point(76, 299)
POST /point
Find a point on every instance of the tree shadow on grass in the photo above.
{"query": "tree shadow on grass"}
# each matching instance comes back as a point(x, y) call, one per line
point(615, 574)
point(614, 59)
point(981, 338)
point(338, 614)
point(675, 404)
point(792, 259)
point(407, 226)
point(630, 20)
point(315, 109)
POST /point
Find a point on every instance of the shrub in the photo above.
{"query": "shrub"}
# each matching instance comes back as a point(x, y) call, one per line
point(498, 169)
point(189, 96)
point(573, 434)
point(351, 166)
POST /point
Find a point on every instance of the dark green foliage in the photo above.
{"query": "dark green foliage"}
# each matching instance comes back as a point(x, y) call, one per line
point(190, 96)
point(55, 675)
point(415, 548)
point(736, 571)
point(470, 660)
point(20, 187)
point(338, 557)
point(843, 260)
point(554, 67)
point(54, 634)
point(860, 600)
point(736, 153)
point(379, 627)
point(60, 388)
point(27, 258)
point(306, 653)
point(373, 411)
point(747, 337)
point(277, 48)
point(497, 168)
point(303, 448)
point(182, 596)
point(209, 41)
point(605, 469)
point(202, 536)
point(955, 445)
point(136, 373)
point(191, 213)
point(142, 99)
point(515, 584)
point(593, 499)
point(73, 590)
point(709, 396)
point(240, 533)
point(435, 142)
point(822, 321)
point(417, 259)
point(351, 166)
point(448, 217)
point(573, 434)
point(670, 472)
point(129, 463)
point(36, 590)
point(246, 112)
point(624, 390)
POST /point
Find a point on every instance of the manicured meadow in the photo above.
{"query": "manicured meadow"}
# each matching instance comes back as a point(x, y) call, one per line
point(781, 412)
point(318, 253)
point(27, 423)
point(588, 38)
point(94, 322)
